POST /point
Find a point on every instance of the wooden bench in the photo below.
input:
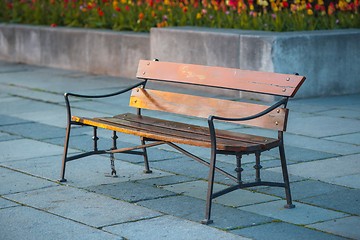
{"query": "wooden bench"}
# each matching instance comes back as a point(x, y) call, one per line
point(155, 131)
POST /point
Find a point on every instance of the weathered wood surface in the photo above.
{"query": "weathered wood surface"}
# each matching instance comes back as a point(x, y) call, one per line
point(203, 107)
point(230, 78)
point(168, 131)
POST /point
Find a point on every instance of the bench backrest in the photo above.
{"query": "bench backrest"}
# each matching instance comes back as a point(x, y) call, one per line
point(285, 85)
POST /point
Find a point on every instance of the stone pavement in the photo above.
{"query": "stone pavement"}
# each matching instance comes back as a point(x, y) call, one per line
point(322, 146)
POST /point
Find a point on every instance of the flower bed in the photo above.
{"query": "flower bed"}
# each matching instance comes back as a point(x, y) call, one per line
point(141, 15)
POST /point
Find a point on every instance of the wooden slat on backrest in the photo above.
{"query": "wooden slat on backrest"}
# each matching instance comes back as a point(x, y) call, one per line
point(230, 78)
point(203, 107)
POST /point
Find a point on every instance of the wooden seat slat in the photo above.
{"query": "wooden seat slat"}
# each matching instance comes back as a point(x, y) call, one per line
point(223, 134)
point(172, 132)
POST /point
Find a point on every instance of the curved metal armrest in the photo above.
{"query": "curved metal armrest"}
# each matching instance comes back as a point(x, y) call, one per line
point(67, 95)
point(262, 113)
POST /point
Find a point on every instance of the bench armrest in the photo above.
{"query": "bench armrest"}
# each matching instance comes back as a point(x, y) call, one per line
point(262, 113)
point(67, 95)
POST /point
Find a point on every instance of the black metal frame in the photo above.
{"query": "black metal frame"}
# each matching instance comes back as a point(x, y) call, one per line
point(258, 182)
point(214, 152)
point(95, 138)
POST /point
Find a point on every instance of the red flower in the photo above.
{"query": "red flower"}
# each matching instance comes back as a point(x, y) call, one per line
point(100, 12)
point(53, 25)
point(308, 6)
point(285, 4)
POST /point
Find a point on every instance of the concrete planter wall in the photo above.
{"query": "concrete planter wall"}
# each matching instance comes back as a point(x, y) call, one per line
point(101, 52)
point(329, 59)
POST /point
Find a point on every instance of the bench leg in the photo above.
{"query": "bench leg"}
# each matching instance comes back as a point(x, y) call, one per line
point(210, 189)
point(146, 160)
point(66, 147)
point(238, 168)
point(112, 157)
point(257, 167)
point(286, 177)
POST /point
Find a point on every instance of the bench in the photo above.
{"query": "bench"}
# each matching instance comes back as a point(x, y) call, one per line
point(154, 131)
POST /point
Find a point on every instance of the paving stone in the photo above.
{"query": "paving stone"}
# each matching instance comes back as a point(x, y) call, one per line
point(194, 209)
point(327, 168)
point(301, 214)
point(198, 189)
point(13, 182)
point(350, 101)
point(182, 166)
point(20, 105)
point(25, 148)
point(89, 171)
point(345, 200)
point(167, 180)
point(303, 189)
point(281, 230)
point(36, 130)
point(297, 154)
point(31, 224)
point(7, 137)
point(8, 120)
point(171, 228)
point(330, 126)
point(35, 94)
point(130, 191)
point(268, 175)
point(353, 138)
point(6, 203)
point(91, 209)
point(347, 227)
point(321, 145)
point(342, 113)
point(352, 181)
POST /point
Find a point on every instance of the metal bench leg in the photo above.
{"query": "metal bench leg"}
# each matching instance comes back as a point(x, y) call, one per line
point(112, 157)
point(66, 147)
point(209, 196)
point(146, 161)
point(286, 177)
point(257, 167)
point(238, 168)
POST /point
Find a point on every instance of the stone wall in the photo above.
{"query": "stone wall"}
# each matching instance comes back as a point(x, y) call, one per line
point(329, 59)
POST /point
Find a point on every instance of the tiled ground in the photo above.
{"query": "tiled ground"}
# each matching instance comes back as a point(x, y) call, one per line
point(322, 147)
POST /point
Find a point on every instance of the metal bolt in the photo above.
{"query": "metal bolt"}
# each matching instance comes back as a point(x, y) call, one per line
point(135, 101)
point(148, 63)
point(278, 111)
point(144, 73)
point(284, 90)
point(276, 123)
point(288, 79)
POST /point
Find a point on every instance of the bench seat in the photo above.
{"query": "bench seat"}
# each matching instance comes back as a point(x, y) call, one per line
point(181, 133)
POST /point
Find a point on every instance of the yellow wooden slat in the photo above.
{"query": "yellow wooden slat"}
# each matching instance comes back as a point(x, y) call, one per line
point(204, 107)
